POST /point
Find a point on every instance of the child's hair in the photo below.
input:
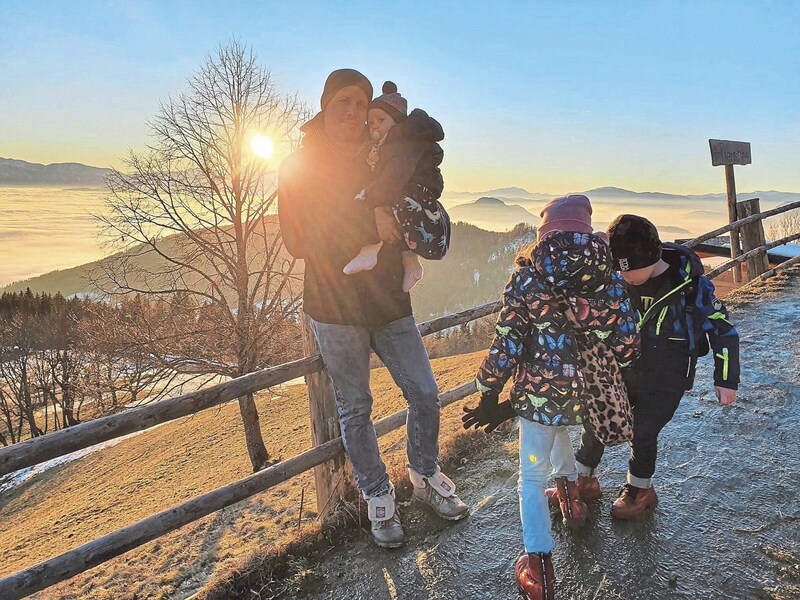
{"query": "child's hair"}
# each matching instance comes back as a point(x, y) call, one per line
point(525, 256)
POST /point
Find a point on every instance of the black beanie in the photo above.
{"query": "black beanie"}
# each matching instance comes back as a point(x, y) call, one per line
point(341, 78)
point(634, 243)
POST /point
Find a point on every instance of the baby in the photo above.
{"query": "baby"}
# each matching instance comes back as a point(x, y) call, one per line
point(406, 157)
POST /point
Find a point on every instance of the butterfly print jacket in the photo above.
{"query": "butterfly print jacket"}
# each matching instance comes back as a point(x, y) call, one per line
point(534, 341)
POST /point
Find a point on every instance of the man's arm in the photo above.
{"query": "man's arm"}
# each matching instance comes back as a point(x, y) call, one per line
point(291, 213)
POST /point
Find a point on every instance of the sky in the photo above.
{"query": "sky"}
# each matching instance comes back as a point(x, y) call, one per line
point(550, 96)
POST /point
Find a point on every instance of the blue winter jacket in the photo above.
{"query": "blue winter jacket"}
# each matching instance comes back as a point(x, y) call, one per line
point(680, 326)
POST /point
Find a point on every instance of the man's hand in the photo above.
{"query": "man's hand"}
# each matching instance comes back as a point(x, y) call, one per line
point(725, 396)
point(388, 228)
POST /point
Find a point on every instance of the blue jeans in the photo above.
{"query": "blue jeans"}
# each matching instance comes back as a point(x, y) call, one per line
point(539, 447)
point(346, 353)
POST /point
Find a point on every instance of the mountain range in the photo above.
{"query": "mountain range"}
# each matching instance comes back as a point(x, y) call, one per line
point(22, 173)
point(521, 195)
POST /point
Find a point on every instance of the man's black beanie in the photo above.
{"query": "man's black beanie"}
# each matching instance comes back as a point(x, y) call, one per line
point(341, 78)
point(634, 243)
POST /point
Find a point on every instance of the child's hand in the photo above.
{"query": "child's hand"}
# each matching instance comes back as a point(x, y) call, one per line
point(725, 396)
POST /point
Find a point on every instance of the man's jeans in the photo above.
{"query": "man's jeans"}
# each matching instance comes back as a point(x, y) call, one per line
point(346, 353)
point(652, 410)
point(540, 447)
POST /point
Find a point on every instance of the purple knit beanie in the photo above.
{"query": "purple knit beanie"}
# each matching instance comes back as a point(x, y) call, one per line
point(391, 102)
point(567, 213)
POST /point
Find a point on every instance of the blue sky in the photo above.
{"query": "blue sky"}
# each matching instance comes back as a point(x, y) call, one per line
point(551, 96)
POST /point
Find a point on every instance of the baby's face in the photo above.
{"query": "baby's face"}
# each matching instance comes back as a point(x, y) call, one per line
point(380, 121)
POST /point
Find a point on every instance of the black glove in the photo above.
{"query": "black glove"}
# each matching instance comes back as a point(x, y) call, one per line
point(488, 414)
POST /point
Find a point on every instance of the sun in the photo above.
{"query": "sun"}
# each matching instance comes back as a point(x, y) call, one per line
point(262, 146)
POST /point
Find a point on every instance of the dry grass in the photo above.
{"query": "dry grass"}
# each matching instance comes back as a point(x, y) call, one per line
point(76, 503)
point(789, 572)
point(761, 291)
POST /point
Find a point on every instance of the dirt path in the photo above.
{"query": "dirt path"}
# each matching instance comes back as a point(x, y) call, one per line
point(728, 485)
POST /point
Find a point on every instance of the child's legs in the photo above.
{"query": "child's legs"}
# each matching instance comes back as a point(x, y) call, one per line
point(590, 452)
point(653, 410)
point(364, 229)
point(562, 456)
point(425, 226)
point(412, 270)
point(535, 445)
point(365, 260)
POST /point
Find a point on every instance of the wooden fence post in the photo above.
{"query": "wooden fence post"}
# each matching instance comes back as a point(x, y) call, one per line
point(329, 476)
point(734, 234)
point(729, 153)
point(753, 237)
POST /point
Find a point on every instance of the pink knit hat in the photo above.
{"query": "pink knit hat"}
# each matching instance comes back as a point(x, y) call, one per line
point(567, 213)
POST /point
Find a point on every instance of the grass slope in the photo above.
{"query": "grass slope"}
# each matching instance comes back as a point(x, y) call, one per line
point(74, 504)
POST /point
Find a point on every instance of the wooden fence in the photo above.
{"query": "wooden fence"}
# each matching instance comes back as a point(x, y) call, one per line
point(326, 455)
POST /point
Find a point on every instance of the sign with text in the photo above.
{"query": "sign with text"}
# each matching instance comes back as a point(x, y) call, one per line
point(724, 152)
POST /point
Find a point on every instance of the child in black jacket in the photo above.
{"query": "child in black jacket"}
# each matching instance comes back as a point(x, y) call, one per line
point(678, 318)
point(406, 157)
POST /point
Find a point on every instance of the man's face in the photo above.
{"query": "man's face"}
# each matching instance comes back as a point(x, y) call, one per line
point(346, 114)
point(380, 121)
point(637, 276)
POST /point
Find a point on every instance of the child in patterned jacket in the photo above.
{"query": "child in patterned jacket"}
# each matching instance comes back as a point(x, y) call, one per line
point(406, 157)
point(536, 344)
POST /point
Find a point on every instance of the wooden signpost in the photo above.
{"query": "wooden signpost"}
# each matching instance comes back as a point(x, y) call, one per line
point(724, 152)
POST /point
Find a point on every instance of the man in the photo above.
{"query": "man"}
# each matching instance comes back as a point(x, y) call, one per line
point(354, 314)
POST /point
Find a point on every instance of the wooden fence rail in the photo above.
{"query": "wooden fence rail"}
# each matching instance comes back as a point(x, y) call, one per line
point(738, 224)
point(89, 555)
point(717, 271)
point(62, 442)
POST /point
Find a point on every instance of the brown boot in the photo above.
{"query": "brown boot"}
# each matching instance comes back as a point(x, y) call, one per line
point(573, 510)
point(535, 576)
point(589, 488)
point(632, 502)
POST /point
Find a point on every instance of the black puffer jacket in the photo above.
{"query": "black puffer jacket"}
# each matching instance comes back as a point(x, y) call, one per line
point(409, 156)
point(323, 224)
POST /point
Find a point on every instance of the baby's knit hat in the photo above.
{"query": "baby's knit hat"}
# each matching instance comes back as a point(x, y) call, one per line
point(391, 102)
point(634, 243)
point(567, 213)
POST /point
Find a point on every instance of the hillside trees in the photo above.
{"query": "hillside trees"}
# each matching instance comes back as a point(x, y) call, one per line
point(194, 216)
point(40, 364)
point(784, 225)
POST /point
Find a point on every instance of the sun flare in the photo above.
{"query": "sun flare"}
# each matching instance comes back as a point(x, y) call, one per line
point(262, 146)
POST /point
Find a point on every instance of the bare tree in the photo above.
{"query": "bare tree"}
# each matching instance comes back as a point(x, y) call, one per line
point(787, 224)
point(194, 215)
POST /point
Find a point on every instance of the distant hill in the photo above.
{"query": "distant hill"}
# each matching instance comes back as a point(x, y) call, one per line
point(491, 213)
point(22, 173)
point(78, 280)
point(474, 271)
point(510, 192)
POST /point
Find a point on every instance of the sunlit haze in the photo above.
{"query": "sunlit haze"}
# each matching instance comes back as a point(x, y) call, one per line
point(549, 96)
point(262, 146)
